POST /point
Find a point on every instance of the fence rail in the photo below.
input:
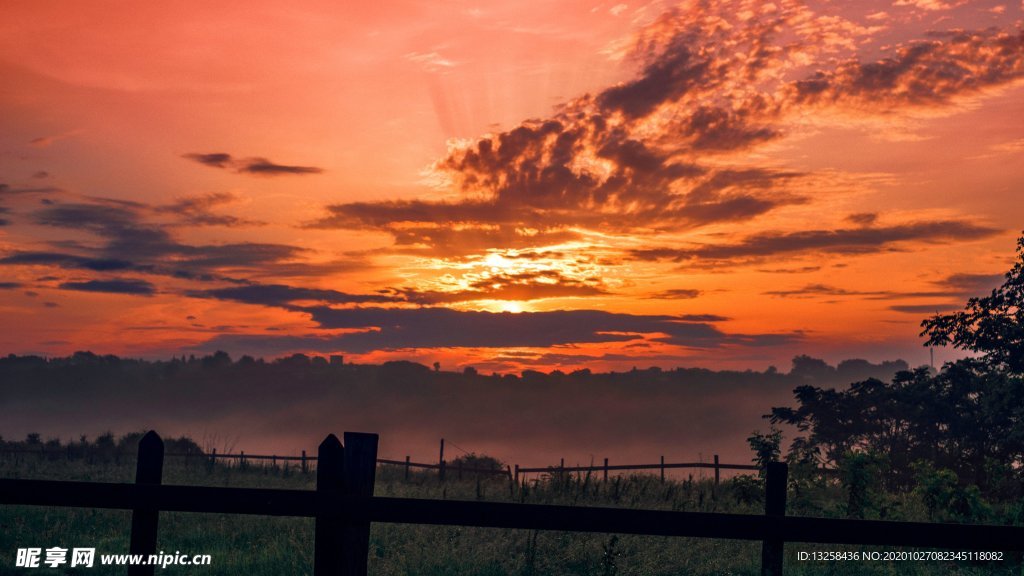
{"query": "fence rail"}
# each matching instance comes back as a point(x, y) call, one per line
point(344, 506)
point(514, 473)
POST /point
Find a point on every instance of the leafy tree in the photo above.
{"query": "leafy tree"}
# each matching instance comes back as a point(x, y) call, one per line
point(945, 499)
point(992, 325)
point(860, 474)
point(968, 419)
point(767, 447)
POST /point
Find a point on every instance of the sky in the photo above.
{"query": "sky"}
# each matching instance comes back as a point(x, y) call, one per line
point(529, 185)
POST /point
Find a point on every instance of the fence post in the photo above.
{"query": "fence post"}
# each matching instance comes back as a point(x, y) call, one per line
point(440, 463)
point(662, 469)
point(148, 470)
point(406, 468)
point(304, 468)
point(327, 553)
point(358, 475)
point(717, 471)
point(517, 474)
point(605, 469)
point(776, 477)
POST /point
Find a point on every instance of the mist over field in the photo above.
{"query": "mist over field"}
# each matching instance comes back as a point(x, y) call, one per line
point(532, 418)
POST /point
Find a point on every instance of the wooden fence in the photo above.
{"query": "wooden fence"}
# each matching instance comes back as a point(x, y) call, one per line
point(305, 463)
point(344, 506)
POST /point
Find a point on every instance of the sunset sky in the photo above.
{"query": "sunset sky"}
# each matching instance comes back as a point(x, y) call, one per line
point(507, 185)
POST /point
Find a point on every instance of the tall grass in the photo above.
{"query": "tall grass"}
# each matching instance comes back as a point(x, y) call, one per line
point(279, 546)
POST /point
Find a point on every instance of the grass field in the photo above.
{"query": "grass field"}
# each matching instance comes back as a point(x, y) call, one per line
point(278, 546)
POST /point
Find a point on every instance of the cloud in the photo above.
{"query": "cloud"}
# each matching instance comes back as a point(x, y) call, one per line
point(135, 237)
point(676, 294)
point(661, 152)
point(131, 239)
point(197, 210)
point(812, 290)
point(45, 141)
point(214, 159)
point(257, 165)
point(64, 261)
point(930, 5)
point(968, 285)
point(836, 241)
point(863, 218)
point(530, 285)
point(957, 288)
point(121, 286)
point(9, 285)
point(7, 190)
point(406, 328)
point(924, 73)
point(922, 309)
point(283, 296)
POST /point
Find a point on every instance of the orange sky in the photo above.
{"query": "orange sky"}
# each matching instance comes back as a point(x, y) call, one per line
point(505, 185)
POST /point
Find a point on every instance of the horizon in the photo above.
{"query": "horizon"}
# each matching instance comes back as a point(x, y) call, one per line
point(290, 405)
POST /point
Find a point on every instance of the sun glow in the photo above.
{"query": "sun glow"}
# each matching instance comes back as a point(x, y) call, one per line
point(513, 307)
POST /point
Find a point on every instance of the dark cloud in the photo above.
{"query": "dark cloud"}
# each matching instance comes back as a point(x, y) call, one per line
point(956, 287)
point(600, 163)
point(129, 240)
point(214, 159)
point(677, 294)
point(152, 246)
point(121, 286)
point(863, 218)
point(7, 190)
point(9, 285)
point(800, 270)
point(41, 175)
point(922, 73)
point(703, 318)
point(64, 261)
point(266, 167)
point(678, 70)
point(403, 328)
point(969, 285)
point(923, 309)
point(838, 241)
point(258, 166)
point(197, 211)
point(283, 296)
point(812, 290)
point(633, 158)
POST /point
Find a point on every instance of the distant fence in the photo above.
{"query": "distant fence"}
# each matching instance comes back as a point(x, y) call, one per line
point(344, 506)
point(304, 462)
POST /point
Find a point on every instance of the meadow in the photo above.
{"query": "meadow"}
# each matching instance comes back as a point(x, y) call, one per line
point(274, 546)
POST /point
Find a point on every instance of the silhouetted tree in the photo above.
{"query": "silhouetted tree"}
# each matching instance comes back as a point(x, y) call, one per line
point(992, 325)
point(967, 419)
